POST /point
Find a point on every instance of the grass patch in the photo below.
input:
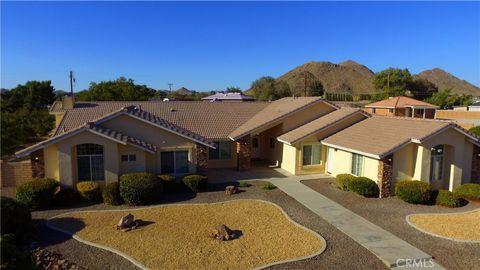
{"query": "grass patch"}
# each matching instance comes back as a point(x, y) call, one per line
point(243, 184)
point(268, 186)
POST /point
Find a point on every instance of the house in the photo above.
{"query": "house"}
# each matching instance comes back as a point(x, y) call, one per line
point(231, 97)
point(402, 106)
point(475, 107)
point(101, 140)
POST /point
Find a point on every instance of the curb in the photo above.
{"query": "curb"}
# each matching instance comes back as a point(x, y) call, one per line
point(143, 267)
point(407, 218)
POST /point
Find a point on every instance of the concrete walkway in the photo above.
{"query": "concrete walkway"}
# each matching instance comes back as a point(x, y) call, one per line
point(392, 250)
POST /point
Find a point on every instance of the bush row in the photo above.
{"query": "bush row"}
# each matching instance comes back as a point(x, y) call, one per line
point(361, 185)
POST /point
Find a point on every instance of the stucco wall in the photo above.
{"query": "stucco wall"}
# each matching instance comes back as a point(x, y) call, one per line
point(289, 159)
point(342, 163)
point(51, 162)
point(139, 165)
point(404, 163)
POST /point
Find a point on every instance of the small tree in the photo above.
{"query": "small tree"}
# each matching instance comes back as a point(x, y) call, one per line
point(392, 81)
point(475, 130)
point(315, 88)
point(233, 89)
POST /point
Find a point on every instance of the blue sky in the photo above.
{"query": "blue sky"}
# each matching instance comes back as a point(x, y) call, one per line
point(213, 45)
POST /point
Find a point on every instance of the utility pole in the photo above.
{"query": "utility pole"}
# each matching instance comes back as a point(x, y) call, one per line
point(72, 80)
point(170, 87)
point(388, 83)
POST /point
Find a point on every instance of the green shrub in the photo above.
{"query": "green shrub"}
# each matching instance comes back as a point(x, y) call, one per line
point(89, 191)
point(16, 219)
point(468, 191)
point(111, 194)
point(169, 183)
point(447, 198)
point(12, 256)
point(268, 186)
point(66, 197)
point(37, 194)
point(363, 186)
point(413, 191)
point(140, 188)
point(196, 182)
point(243, 184)
point(343, 180)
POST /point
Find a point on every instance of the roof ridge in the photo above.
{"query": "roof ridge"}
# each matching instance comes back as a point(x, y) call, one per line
point(413, 118)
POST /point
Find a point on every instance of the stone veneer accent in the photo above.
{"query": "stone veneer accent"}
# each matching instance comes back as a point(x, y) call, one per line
point(244, 153)
point(476, 165)
point(15, 173)
point(385, 176)
point(202, 157)
point(38, 164)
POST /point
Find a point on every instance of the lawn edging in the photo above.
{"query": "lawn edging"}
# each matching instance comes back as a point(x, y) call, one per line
point(143, 267)
point(407, 218)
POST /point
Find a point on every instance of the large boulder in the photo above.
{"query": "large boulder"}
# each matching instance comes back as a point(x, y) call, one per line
point(222, 233)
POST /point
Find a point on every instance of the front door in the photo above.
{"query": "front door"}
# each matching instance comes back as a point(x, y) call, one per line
point(255, 148)
point(329, 159)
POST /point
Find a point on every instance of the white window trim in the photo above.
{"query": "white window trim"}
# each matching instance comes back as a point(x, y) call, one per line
point(362, 167)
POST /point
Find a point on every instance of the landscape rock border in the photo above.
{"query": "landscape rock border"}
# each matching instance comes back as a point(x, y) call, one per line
point(407, 218)
point(143, 267)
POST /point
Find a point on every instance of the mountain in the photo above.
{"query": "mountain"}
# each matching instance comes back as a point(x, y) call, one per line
point(444, 80)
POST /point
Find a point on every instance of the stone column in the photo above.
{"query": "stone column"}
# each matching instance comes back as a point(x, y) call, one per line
point(244, 153)
point(475, 176)
point(385, 176)
point(37, 161)
point(201, 157)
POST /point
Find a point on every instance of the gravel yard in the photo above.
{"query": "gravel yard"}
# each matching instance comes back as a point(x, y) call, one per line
point(390, 214)
point(341, 251)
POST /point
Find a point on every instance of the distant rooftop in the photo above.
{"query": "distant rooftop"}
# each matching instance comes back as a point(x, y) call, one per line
point(229, 97)
point(399, 102)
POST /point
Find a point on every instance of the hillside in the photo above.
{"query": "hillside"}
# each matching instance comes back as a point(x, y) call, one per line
point(445, 80)
point(348, 77)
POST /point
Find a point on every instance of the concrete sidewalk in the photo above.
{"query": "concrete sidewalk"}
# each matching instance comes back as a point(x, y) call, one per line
point(393, 251)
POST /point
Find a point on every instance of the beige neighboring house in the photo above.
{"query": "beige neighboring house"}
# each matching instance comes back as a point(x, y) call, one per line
point(402, 106)
point(100, 141)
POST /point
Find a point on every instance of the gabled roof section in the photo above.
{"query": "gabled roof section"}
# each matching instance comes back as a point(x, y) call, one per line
point(275, 112)
point(400, 102)
point(319, 124)
point(380, 136)
point(95, 129)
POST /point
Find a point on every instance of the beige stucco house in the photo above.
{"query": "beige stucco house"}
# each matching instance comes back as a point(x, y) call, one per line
point(100, 141)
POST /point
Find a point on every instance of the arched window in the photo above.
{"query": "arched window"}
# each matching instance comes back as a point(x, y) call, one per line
point(90, 162)
point(436, 163)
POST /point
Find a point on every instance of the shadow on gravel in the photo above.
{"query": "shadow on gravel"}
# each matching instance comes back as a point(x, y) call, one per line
point(47, 237)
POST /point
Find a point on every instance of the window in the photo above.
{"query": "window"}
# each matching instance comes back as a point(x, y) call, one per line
point(357, 164)
point(311, 154)
point(90, 165)
point(222, 152)
point(436, 168)
point(127, 158)
point(390, 110)
point(374, 110)
point(272, 142)
point(420, 111)
point(174, 162)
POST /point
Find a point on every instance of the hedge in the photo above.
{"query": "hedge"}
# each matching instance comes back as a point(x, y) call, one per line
point(168, 182)
point(111, 194)
point(196, 182)
point(16, 219)
point(37, 194)
point(447, 198)
point(413, 191)
point(363, 186)
point(140, 188)
point(343, 180)
point(89, 191)
point(468, 191)
point(66, 197)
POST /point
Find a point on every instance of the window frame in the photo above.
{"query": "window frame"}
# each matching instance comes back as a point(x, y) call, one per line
point(128, 157)
point(312, 146)
point(221, 152)
point(175, 171)
point(92, 157)
point(357, 165)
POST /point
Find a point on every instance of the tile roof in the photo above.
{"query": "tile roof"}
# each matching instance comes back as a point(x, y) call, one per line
point(399, 102)
point(379, 136)
point(229, 96)
point(318, 124)
point(211, 120)
point(122, 137)
point(275, 111)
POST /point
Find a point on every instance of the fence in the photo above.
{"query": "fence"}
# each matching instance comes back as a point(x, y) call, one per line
point(346, 97)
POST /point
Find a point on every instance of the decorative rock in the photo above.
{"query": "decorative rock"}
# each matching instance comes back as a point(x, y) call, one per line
point(222, 233)
point(229, 190)
point(125, 222)
point(45, 259)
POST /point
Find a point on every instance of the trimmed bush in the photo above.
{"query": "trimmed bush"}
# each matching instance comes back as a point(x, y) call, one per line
point(37, 194)
point(196, 182)
point(16, 219)
point(468, 191)
point(140, 188)
point(14, 257)
point(447, 198)
point(268, 186)
point(343, 180)
point(168, 182)
point(66, 197)
point(89, 191)
point(111, 194)
point(413, 191)
point(243, 184)
point(363, 186)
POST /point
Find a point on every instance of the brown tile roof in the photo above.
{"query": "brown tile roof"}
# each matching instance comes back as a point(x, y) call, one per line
point(211, 120)
point(274, 112)
point(124, 138)
point(318, 124)
point(399, 102)
point(379, 136)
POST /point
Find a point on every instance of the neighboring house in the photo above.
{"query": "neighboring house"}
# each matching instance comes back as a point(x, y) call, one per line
point(466, 119)
point(475, 107)
point(402, 106)
point(232, 97)
point(101, 140)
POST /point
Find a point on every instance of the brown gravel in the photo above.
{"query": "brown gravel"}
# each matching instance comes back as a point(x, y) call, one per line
point(341, 252)
point(459, 226)
point(390, 214)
